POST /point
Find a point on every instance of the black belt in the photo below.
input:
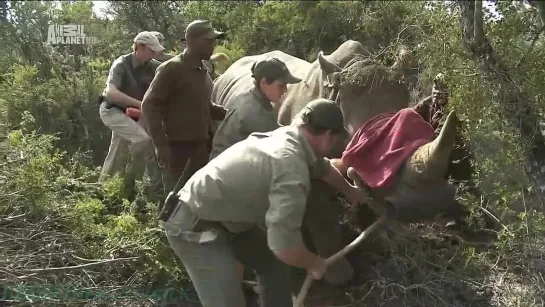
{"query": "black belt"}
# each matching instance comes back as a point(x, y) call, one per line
point(199, 224)
point(108, 105)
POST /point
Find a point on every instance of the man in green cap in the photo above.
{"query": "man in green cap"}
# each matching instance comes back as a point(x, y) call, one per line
point(247, 205)
point(177, 106)
point(257, 109)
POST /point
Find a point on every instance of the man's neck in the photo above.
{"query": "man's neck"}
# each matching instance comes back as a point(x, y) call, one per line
point(310, 139)
point(138, 60)
point(263, 98)
point(192, 58)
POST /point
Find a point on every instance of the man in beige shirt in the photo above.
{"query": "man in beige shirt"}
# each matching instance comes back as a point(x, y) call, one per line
point(248, 203)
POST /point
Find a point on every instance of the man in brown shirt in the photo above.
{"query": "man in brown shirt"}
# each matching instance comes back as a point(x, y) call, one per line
point(177, 106)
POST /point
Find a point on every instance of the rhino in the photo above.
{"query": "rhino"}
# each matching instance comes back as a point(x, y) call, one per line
point(343, 76)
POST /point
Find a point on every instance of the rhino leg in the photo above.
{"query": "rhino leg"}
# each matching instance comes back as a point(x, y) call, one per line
point(322, 216)
point(457, 215)
point(365, 216)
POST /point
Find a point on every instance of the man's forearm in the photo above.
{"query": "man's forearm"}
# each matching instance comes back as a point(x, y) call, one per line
point(297, 257)
point(217, 112)
point(336, 179)
point(116, 96)
point(339, 165)
point(154, 121)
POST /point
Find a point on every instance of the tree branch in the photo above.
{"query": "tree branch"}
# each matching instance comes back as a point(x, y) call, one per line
point(540, 9)
point(467, 9)
point(75, 266)
point(478, 31)
point(531, 48)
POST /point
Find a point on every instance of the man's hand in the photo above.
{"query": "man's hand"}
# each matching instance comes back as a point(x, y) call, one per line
point(163, 156)
point(217, 112)
point(333, 177)
point(318, 268)
point(357, 196)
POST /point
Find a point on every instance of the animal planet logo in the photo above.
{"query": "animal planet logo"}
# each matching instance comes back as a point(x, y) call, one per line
point(69, 35)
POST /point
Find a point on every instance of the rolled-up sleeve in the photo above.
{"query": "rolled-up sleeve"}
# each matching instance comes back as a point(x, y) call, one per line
point(287, 196)
point(116, 74)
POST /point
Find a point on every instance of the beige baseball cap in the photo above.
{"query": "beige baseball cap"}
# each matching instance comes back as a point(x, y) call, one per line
point(147, 38)
point(159, 36)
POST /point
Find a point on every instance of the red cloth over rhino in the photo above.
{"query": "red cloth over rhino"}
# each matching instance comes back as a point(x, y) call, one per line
point(379, 148)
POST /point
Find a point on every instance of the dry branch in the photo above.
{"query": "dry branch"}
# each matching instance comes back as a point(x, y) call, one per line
point(375, 206)
point(308, 281)
point(75, 266)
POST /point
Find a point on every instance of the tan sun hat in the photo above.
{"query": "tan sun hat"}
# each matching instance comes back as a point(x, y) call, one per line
point(147, 38)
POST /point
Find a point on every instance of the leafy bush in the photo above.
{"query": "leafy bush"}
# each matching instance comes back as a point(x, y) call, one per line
point(56, 218)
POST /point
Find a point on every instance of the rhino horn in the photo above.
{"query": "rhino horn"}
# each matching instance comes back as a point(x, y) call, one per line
point(327, 66)
point(430, 161)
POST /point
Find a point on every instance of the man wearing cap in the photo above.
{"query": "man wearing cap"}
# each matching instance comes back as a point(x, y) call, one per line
point(247, 205)
point(256, 110)
point(162, 56)
point(177, 106)
point(120, 103)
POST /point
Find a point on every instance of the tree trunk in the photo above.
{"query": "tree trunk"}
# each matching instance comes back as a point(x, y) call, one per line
point(3, 11)
point(540, 9)
point(515, 104)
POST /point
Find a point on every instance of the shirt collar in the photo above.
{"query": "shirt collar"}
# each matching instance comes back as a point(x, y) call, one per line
point(309, 154)
point(135, 63)
point(202, 67)
point(294, 133)
point(261, 98)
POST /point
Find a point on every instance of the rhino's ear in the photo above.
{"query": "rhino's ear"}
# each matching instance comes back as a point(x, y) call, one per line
point(327, 67)
point(331, 72)
point(332, 80)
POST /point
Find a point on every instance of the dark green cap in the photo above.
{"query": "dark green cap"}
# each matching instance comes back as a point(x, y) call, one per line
point(202, 28)
point(324, 113)
point(273, 69)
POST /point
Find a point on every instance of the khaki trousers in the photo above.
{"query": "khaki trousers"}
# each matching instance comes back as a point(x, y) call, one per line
point(128, 133)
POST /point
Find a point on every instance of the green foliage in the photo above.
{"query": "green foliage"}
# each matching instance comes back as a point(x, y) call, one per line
point(234, 53)
point(60, 198)
point(52, 141)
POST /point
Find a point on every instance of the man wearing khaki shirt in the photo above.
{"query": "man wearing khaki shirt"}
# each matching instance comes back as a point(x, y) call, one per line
point(128, 80)
point(248, 203)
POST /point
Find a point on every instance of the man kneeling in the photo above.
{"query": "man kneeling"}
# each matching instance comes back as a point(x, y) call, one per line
point(248, 203)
